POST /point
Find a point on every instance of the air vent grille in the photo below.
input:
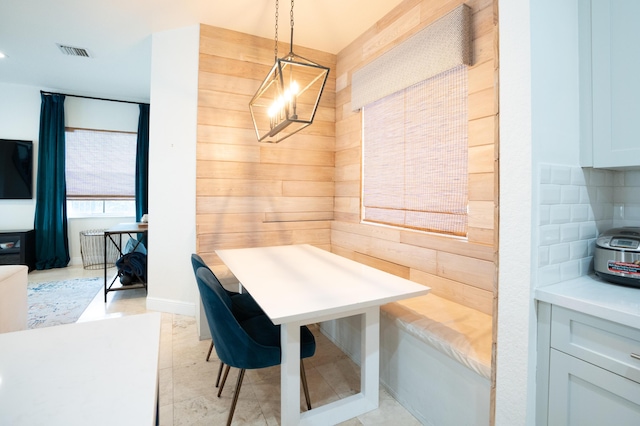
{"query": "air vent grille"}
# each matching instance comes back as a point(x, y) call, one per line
point(74, 51)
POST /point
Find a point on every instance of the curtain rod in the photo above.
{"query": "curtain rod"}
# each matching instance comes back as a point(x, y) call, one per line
point(44, 92)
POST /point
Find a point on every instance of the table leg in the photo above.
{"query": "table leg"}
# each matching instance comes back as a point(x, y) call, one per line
point(290, 374)
point(370, 356)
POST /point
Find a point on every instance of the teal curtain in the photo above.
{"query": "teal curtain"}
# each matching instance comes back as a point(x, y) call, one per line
point(142, 163)
point(50, 222)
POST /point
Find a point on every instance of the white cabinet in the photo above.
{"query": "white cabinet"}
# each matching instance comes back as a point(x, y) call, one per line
point(609, 84)
point(588, 368)
point(582, 394)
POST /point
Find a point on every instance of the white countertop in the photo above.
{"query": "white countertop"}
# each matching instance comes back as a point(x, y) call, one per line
point(90, 373)
point(594, 296)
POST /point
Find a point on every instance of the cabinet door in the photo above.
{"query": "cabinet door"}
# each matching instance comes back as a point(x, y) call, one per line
point(581, 394)
point(615, 83)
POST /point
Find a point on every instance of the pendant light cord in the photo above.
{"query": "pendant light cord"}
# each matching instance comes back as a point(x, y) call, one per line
point(291, 22)
point(275, 49)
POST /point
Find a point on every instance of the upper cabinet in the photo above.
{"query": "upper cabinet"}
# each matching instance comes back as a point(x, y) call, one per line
point(609, 83)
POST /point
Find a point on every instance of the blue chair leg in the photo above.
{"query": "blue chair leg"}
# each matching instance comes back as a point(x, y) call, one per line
point(235, 396)
point(224, 379)
point(221, 364)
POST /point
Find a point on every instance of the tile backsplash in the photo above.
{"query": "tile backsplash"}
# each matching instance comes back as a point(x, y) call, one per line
point(575, 205)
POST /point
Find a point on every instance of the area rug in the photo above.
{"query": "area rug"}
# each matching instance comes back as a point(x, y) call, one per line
point(60, 302)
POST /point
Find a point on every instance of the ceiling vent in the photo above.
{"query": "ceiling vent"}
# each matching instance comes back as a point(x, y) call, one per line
point(73, 51)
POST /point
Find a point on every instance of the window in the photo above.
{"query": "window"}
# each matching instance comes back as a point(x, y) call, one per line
point(415, 156)
point(100, 173)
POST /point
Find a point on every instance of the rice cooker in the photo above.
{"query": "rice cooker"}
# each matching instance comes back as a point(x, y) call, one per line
point(617, 256)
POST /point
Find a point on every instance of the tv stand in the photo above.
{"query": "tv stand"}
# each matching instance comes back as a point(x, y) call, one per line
point(24, 250)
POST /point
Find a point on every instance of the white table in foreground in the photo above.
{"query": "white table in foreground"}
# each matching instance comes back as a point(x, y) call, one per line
point(301, 284)
point(91, 373)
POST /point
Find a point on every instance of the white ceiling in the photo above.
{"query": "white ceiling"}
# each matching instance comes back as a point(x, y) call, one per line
point(117, 35)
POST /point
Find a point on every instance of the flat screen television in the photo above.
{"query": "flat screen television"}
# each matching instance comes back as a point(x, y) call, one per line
point(16, 169)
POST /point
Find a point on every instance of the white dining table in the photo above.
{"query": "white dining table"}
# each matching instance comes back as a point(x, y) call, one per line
point(297, 285)
point(95, 373)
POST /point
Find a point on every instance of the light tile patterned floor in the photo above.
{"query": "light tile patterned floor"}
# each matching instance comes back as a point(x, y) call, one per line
point(188, 395)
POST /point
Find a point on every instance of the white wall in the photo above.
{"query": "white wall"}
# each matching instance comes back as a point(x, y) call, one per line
point(172, 170)
point(539, 125)
point(513, 379)
point(19, 119)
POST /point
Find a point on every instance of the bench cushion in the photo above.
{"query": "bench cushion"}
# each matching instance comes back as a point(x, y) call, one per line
point(459, 332)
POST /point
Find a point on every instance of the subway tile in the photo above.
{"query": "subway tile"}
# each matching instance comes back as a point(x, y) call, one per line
point(630, 194)
point(580, 212)
point(559, 214)
point(586, 266)
point(632, 178)
point(570, 270)
point(543, 256)
point(579, 249)
point(560, 175)
point(558, 253)
point(618, 179)
point(602, 225)
point(618, 211)
point(587, 230)
point(578, 176)
point(569, 232)
point(631, 212)
point(598, 211)
point(576, 204)
point(597, 177)
point(604, 194)
point(549, 275)
point(549, 234)
point(544, 215)
point(570, 194)
point(585, 197)
point(550, 194)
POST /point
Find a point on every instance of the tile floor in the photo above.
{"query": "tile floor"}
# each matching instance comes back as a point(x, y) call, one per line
point(187, 381)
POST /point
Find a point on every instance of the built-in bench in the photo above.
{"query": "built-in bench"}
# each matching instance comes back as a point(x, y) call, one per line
point(435, 358)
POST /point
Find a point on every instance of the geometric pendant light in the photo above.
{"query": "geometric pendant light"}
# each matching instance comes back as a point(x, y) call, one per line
point(288, 98)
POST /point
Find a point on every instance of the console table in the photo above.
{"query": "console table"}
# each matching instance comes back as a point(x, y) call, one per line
point(24, 250)
point(114, 234)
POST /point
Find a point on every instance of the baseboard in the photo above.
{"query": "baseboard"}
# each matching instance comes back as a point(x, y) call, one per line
point(171, 306)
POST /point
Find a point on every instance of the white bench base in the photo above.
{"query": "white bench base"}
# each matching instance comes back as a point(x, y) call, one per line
point(436, 389)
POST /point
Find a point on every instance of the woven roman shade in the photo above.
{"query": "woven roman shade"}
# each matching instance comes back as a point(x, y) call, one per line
point(100, 164)
point(443, 45)
point(415, 160)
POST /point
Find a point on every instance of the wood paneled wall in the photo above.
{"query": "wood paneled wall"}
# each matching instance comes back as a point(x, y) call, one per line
point(463, 270)
point(249, 193)
point(307, 188)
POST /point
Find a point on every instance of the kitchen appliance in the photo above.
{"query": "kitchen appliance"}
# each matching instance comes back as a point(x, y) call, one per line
point(617, 256)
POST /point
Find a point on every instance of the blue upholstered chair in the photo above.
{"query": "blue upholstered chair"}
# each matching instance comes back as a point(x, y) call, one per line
point(245, 344)
point(243, 305)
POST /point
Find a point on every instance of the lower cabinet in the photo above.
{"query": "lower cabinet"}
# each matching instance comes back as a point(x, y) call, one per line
point(582, 394)
point(588, 370)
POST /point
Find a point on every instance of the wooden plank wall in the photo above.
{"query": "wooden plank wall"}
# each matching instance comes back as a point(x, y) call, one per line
point(252, 194)
point(461, 270)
